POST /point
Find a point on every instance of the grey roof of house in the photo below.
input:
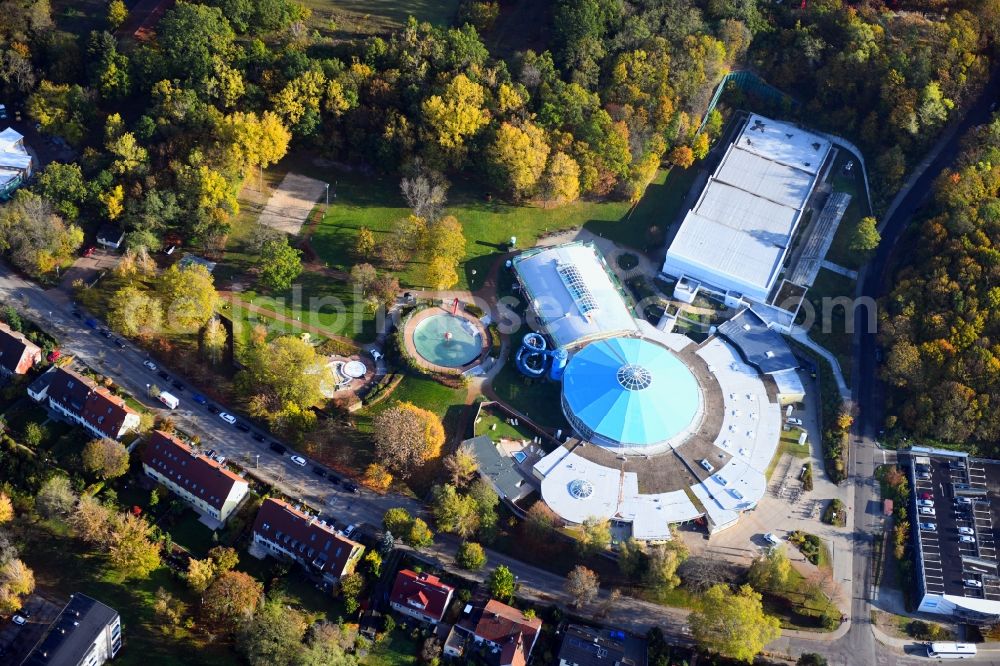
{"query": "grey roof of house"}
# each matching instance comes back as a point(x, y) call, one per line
point(761, 346)
point(69, 638)
point(500, 469)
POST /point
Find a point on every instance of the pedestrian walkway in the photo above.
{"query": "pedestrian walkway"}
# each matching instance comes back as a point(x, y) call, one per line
point(801, 336)
point(837, 268)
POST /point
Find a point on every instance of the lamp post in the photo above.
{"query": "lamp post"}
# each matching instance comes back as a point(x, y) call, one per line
point(256, 462)
point(147, 390)
point(328, 195)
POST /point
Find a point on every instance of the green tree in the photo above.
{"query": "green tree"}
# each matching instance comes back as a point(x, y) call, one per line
point(63, 186)
point(188, 295)
point(231, 600)
point(583, 585)
point(55, 498)
point(117, 13)
point(733, 624)
point(200, 574)
point(456, 115)
point(406, 436)
point(190, 37)
point(274, 636)
point(364, 243)
point(106, 458)
point(865, 237)
point(131, 550)
point(397, 521)
point(6, 509)
point(470, 556)
point(811, 659)
point(501, 583)
point(214, 339)
point(454, 512)
point(224, 557)
point(35, 238)
point(279, 264)
point(134, 312)
point(662, 561)
point(419, 535)
point(16, 581)
point(351, 586)
point(281, 373)
point(595, 535)
point(517, 157)
point(327, 645)
point(34, 433)
point(255, 141)
point(770, 571)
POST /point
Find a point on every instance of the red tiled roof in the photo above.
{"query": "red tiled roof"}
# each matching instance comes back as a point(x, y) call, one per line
point(424, 589)
point(498, 623)
point(14, 348)
point(514, 653)
point(106, 412)
point(312, 541)
point(201, 476)
point(94, 404)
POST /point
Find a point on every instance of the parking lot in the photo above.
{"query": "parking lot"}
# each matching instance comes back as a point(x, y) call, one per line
point(17, 641)
point(953, 511)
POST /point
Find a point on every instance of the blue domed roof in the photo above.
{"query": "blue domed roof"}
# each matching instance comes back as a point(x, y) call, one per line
point(629, 392)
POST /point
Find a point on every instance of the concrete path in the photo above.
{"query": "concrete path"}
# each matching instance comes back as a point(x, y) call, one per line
point(801, 336)
point(837, 268)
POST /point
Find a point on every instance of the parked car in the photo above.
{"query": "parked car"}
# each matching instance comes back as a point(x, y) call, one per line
point(334, 479)
point(298, 460)
point(228, 418)
point(258, 437)
point(956, 464)
point(791, 420)
point(927, 496)
point(926, 511)
point(963, 500)
point(972, 582)
point(243, 427)
point(924, 476)
point(150, 365)
point(772, 539)
point(199, 398)
point(120, 343)
point(924, 502)
point(967, 539)
point(928, 527)
point(212, 408)
point(319, 471)
point(351, 487)
point(90, 322)
point(177, 385)
point(18, 620)
point(349, 530)
point(89, 252)
point(278, 448)
point(163, 374)
point(966, 530)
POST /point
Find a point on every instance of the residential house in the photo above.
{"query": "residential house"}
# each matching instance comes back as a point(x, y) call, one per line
point(202, 482)
point(86, 632)
point(15, 162)
point(18, 354)
point(505, 630)
point(587, 646)
point(421, 596)
point(283, 531)
point(80, 400)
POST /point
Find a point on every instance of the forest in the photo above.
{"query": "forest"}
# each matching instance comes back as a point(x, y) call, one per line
point(941, 322)
point(166, 129)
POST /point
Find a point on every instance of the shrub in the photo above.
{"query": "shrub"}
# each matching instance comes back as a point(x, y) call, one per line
point(474, 310)
point(835, 513)
point(807, 477)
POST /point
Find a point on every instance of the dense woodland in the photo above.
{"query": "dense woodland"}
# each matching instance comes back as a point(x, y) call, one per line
point(166, 129)
point(942, 320)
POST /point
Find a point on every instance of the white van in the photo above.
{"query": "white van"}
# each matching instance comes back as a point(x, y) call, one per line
point(169, 399)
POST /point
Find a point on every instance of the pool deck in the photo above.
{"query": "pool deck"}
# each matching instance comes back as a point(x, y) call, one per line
point(427, 313)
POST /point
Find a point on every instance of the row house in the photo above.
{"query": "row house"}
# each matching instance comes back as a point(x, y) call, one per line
point(420, 595)
point(18, 354)
point(80, 400)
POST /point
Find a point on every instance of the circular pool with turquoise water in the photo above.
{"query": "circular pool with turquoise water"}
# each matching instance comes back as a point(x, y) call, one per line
point(447, 340)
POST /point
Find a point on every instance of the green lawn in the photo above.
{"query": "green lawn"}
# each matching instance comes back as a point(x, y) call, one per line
point(789, 443)
point(644, 227)
point(830, 325)
point(376, 203)
point(425, 393)
point(347, 19)
point(853, 183)
point(399, 650)
point(191, 534)
point(503, 429)
point(538, 399)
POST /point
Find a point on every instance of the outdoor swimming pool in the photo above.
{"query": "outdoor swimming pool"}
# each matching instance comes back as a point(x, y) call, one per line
point(447, 340)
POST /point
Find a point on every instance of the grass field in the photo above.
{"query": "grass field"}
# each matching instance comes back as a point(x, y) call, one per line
point(347, 19)
point(797, 606)
point(399, 650)
point(789, 443)
point(853, 183)
point(536, 399)
point(830, 326)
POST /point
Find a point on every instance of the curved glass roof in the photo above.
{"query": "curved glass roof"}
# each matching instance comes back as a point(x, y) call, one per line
point(629, 392)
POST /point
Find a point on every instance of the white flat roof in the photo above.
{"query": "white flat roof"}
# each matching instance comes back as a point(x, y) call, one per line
point(613, 495)
point(777, 182)
point(751, 428)
point(570, 290)
point(783, 142)
point(737, 234)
